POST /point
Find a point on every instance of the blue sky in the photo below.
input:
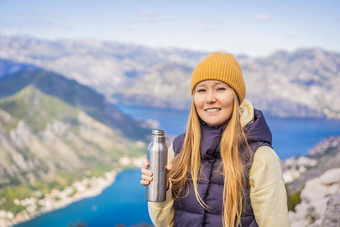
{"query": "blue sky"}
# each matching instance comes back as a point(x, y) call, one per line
point(255, 28)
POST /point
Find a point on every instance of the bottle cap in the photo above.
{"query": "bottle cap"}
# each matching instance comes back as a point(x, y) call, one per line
point(158, 132)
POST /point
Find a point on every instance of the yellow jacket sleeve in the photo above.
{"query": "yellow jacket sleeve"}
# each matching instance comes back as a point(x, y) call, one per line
point(161, 213)
point(267, 191)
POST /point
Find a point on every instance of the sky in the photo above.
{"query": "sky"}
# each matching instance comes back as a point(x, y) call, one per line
point(250, 27)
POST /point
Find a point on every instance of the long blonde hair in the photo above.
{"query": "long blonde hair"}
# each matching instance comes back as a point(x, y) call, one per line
point(232, 167)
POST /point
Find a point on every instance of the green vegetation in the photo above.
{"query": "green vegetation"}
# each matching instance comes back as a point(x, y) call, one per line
point(73, 193)
point(70, 93)
point(37, 109)
point(96, 166)
point(44, 161)
point(8, 124)
point(23, 191)
point(17, 209)
point(293, 199)
point(11, 193)
point(138, 151)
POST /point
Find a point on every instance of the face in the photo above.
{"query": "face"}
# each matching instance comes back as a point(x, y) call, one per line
point(214, 101)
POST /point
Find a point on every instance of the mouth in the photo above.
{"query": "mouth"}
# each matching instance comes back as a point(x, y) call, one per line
point(212, 110)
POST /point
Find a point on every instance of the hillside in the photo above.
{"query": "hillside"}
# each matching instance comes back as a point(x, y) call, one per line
point(9, 67)
point(313, 185)
point(323, 157)
point(55, 132)
point(285, 84)
point(74, 94)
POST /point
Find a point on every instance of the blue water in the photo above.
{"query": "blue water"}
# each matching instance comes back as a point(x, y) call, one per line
point(291, 136)
point(123, 202)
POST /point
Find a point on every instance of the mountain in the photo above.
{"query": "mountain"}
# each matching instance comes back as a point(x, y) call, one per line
point(102, 65)
point(54, 132)
point(286, 84)
point(323, 157)
point(312, 182)
point(74, 94)
point(164, 86)
point(303, 82)
point(9, 67)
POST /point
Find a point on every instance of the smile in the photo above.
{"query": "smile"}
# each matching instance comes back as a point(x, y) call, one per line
point(212, 110)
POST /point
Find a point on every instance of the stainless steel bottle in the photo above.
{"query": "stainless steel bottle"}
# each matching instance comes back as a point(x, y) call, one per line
point(157, 156)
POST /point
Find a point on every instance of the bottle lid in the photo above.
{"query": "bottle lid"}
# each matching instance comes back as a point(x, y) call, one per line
point(158, 132)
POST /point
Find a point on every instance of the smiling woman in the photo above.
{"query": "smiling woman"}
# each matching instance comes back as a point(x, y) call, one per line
point(214, 102)
point(222, 170)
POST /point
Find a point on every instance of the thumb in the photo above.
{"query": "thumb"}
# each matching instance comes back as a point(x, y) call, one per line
point(169, 167)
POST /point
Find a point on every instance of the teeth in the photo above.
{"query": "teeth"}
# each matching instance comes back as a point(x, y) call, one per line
point(212, 110)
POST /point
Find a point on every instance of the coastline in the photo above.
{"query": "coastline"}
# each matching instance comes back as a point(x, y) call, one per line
point(88, 187)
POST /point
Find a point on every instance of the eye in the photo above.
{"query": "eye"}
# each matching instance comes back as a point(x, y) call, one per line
point(221, 89)
point(200, 90)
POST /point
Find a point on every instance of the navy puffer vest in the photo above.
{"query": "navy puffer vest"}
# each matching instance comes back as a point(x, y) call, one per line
point(188, 212)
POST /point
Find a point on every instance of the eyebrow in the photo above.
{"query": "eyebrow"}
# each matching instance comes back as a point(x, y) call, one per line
point(214, 84)
point(200, 85)
point(221, 83)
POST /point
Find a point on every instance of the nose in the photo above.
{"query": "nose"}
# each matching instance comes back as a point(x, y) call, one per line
point(211, 98)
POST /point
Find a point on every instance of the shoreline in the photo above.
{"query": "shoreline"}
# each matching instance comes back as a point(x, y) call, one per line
point(86, 188)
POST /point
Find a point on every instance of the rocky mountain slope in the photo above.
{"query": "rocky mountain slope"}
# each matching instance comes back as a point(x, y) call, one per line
point(313, 185)
point(297, 84)
point(323, 157)
point(53, 132)
point(312, 211)
point(74, 94)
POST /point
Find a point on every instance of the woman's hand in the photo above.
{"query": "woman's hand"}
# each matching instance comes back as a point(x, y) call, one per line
point(147, 174)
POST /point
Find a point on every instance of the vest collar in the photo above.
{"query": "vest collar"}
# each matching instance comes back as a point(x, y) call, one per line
point(210, 141)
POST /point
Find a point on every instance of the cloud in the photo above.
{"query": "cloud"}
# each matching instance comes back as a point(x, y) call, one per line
point(148, 14)
point(261, 17)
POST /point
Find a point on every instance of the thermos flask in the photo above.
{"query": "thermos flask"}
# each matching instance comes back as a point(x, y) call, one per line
point(157, 156)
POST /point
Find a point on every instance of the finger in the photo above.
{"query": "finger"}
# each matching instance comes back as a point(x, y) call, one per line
point(147, 178)
point(144, 182)
point(168, 167)
point(146, 163)
point(147, 172)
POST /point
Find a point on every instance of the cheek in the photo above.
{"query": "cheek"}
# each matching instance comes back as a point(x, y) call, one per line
point(197, 101)
point(198, 106)
point(229, 104)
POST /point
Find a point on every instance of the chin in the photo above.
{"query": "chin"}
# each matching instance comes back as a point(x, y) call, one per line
point(213, 124)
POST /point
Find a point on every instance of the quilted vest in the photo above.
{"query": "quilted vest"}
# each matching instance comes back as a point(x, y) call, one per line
point(188, 212)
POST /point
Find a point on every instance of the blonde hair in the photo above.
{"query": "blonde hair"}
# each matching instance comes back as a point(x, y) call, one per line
point(232, 166)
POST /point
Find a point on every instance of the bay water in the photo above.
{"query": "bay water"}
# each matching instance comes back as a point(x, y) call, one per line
point(123, 203)
point(291, 136)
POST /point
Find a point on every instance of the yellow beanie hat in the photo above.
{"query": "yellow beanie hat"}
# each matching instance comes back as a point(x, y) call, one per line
point(222, 67)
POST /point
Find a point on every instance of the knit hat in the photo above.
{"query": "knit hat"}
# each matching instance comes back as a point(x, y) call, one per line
point(222, 67)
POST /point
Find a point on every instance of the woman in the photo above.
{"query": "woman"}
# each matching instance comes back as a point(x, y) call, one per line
point(222, 171)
